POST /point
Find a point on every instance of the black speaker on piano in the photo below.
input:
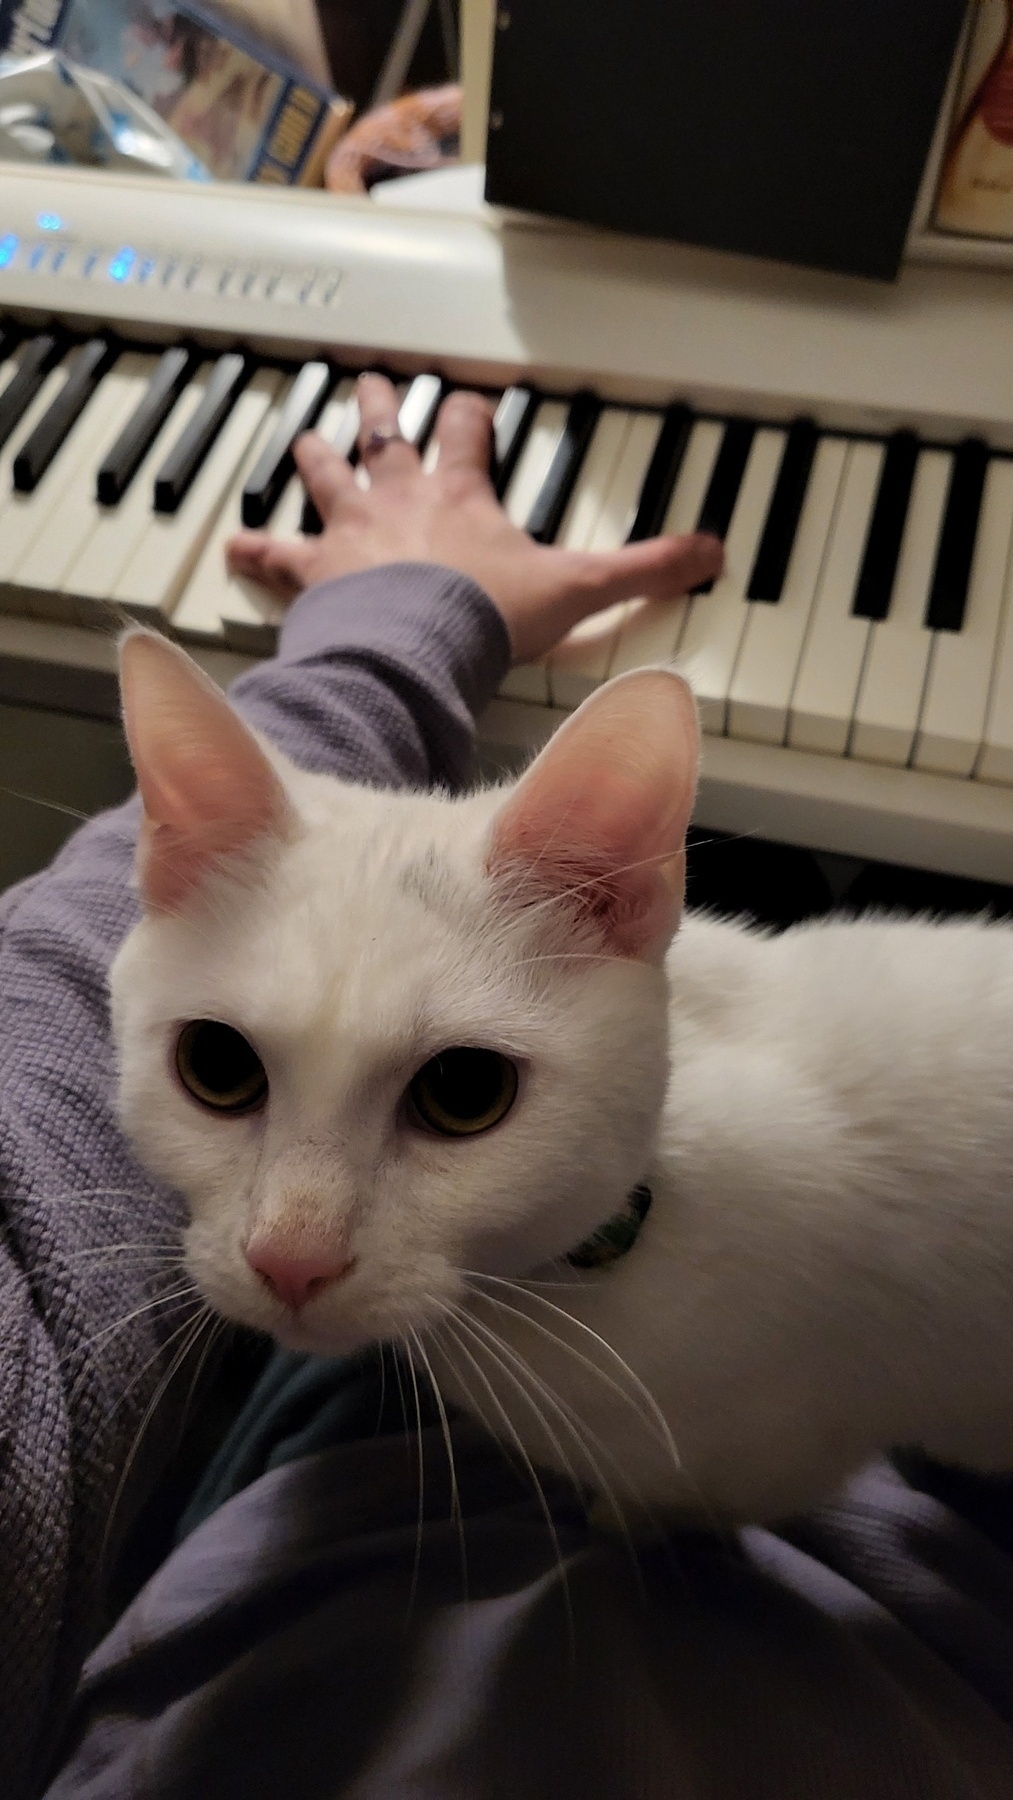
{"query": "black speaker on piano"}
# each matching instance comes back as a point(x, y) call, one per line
point(795, 129)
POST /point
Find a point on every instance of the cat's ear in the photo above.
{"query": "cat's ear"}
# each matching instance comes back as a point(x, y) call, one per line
point(600, 818)
point(207, 788)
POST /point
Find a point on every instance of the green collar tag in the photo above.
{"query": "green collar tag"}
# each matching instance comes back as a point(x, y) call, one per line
point(617, 1235)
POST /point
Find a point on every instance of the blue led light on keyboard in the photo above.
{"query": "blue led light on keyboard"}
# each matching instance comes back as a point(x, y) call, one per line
point(8, 247)
point(49, 222)
point(36, 254)
point(122, 264)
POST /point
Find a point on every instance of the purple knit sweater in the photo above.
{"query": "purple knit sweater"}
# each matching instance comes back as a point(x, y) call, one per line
point(376, 680)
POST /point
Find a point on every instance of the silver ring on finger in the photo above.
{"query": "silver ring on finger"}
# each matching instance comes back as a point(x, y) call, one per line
point(378, 438)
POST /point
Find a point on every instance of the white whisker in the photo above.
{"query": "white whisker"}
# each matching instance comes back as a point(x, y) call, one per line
point(455, 1497)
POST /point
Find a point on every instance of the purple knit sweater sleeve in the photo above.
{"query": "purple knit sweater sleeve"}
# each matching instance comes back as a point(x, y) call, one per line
point(377, 679)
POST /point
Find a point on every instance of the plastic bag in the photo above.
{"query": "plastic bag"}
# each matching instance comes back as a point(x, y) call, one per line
point(55, 111)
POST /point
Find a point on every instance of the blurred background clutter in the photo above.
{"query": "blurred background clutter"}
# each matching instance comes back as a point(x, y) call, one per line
point(343, 95)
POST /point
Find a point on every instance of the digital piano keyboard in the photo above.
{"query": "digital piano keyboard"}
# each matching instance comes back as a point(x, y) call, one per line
point(852, 443)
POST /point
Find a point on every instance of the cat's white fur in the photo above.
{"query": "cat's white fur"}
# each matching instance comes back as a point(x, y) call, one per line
point(825, 1120)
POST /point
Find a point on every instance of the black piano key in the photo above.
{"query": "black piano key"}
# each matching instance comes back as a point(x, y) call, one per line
point(948, 593)
point(510, 426)
point(39, 356)
point(10, 337)
point(93, 360)
point(726, 478)
point(191, 447)
point(276, 464)
point(725, 482)
point(418, 410)
point(886, 528)
point(547, 512)
point(767, 579)
point(662, 473)
point(117, 470)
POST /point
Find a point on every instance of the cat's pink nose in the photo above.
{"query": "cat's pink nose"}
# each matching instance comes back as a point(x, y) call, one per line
point(295, 1279)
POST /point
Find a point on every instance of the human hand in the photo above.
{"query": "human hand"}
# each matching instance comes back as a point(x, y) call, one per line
point(451, 516)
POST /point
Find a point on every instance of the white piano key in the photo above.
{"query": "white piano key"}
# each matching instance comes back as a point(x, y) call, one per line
point(596, 471)
point(995, 760)
point(583, 659)
point(26, 516)
point(530, 681)
point(157, 571)
point(248, 615)
point(40, 576)
point(534, 460)
point(118, 530)
point(952, 724)
point(893, 681)
point(823, 701)
point(710, 642)
point(651, 629)
point(210, 591)
point(775, 632)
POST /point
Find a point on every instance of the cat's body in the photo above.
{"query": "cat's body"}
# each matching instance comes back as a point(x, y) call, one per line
point(827, 1267)
point(824, 1120)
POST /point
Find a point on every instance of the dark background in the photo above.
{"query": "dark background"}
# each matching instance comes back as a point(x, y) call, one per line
point(796, 129)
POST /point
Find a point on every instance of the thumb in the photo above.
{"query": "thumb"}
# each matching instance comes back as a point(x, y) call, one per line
point(658, 568)
point(282, 567)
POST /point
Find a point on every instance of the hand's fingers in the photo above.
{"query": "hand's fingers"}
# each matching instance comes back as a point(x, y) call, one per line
point(659, 568)
point(464, 432)
point(282, 568)
point(326, 475)
point(378, 415)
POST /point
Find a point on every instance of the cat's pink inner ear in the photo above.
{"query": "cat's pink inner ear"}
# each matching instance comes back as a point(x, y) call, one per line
point(601, 816)
point(207, 788)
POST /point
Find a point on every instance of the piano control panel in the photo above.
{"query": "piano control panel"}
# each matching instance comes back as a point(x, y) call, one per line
point(853, 663)
point(52, 251)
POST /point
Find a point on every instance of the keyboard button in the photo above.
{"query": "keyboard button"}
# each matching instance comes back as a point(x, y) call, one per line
point(886, 528)
point(88, 365)
point(583, 661)
point(161, 563)
point(770, 567)
point(956, 543)
point(651, 631)
point(38, 357)
point(659, 482)
point(893, 680)
point(772, 642)
point(170, 376)
point(710, 642)
point(195, 443)
point(510, 426)
point(823, 699)
point(952, 723)
point(550, 503)
point(276, 463)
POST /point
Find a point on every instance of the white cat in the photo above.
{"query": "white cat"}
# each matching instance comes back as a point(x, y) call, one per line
point(824, 1120)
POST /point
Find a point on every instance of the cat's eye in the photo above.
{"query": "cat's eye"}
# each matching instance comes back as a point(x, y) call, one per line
point(464, 1091)
point(219, 1068)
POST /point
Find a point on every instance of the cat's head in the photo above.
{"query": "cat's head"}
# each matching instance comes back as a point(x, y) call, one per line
point(378, 1039)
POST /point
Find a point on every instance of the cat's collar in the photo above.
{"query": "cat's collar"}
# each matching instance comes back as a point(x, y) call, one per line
point(617, 1235)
